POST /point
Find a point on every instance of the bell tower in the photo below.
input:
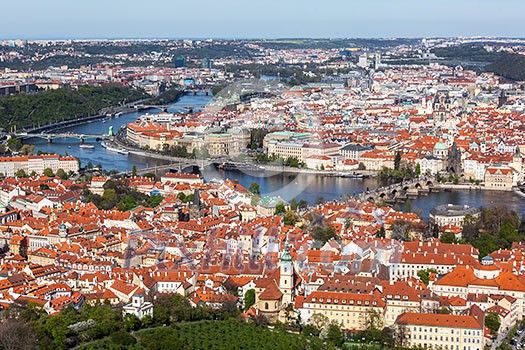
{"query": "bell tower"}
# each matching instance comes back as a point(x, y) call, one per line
point(286, 279)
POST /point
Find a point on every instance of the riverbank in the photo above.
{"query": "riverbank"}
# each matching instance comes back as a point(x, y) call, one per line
point(107, 112)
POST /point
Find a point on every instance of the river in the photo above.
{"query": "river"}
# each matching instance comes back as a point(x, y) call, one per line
point(309, 187)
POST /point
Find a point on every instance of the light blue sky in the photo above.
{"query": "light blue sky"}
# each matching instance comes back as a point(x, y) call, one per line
point(260, 19)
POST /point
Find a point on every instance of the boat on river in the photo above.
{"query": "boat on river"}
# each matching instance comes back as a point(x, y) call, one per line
point(114, 149)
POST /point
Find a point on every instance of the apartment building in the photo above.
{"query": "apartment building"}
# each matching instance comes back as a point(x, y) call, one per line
point(351, 310)
point(10, 165)
point(438, 331)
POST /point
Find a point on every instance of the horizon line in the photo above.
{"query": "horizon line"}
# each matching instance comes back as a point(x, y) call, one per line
point(59, 38)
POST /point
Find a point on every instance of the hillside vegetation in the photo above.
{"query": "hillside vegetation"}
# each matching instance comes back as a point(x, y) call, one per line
point(47, 107)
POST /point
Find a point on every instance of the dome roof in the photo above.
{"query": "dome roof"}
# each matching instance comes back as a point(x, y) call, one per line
point(440, 146)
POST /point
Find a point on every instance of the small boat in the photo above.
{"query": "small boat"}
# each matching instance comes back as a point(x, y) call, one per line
point(86, 146)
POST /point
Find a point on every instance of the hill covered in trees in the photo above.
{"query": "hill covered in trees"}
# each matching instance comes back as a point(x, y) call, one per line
point(507, 65)
point(510, 66)
point(47, 107)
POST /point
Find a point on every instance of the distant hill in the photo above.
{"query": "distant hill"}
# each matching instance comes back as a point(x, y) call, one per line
point(510, 66)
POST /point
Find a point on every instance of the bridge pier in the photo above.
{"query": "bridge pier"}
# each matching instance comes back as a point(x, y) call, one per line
point(49, 139)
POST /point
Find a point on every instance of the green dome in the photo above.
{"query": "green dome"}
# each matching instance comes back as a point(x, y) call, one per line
point(440, 146)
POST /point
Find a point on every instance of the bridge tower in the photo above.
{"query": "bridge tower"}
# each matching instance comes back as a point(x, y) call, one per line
point(110, 131)
point(49, 139)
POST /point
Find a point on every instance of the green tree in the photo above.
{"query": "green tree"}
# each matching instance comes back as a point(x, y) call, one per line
point(334, 335)
point(492, 321)
point(131, 322)
point(397, 160)
point(361, 166)
point(48, 172)
point(280, 208)
point(20, 173)
point(290, 218)
point(14, 144)
point(418, 170)
point(249, 298)
point(123, 338)
point(302, 204)
point(134, 170)
point(61, 174)
point(254, 188)
point(381, 233)
point(125, 204)
point(424, 275)
point(448, 237)
point(293, 204)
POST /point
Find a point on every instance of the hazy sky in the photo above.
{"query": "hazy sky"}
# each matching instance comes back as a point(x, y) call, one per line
point(259, 19)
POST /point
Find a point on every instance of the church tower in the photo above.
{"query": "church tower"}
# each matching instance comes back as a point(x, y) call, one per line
point(286, 280)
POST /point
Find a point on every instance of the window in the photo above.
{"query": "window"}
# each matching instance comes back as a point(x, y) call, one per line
point(266, 306)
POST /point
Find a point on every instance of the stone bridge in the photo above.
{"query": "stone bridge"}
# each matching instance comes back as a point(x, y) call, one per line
point(400, 192)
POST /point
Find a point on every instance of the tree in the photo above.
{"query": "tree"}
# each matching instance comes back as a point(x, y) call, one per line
point(254, 188)
point(418, 170)
point(17, 334)
point(373, 320)
point(27, 149)
point(280, 208)
point(492, 322)
point(14, 144)
point(302, 204)
point(408, 206)
point(401, 230)
point(381, 233)
point(397, 160)
point(20, 173)
point(324, 234)
point(319, 321)
point(293, 204)
point(123, 338)
point(132, 322)
point(290, 218)
point(249, 298)
point(334, 335)
point(61, 174)
point(448, 237)
point(48, 172)
point(361, 166)
point(424, 275)
point(134, 170)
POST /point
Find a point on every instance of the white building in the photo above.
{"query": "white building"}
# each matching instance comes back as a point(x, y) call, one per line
point(138, 307)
